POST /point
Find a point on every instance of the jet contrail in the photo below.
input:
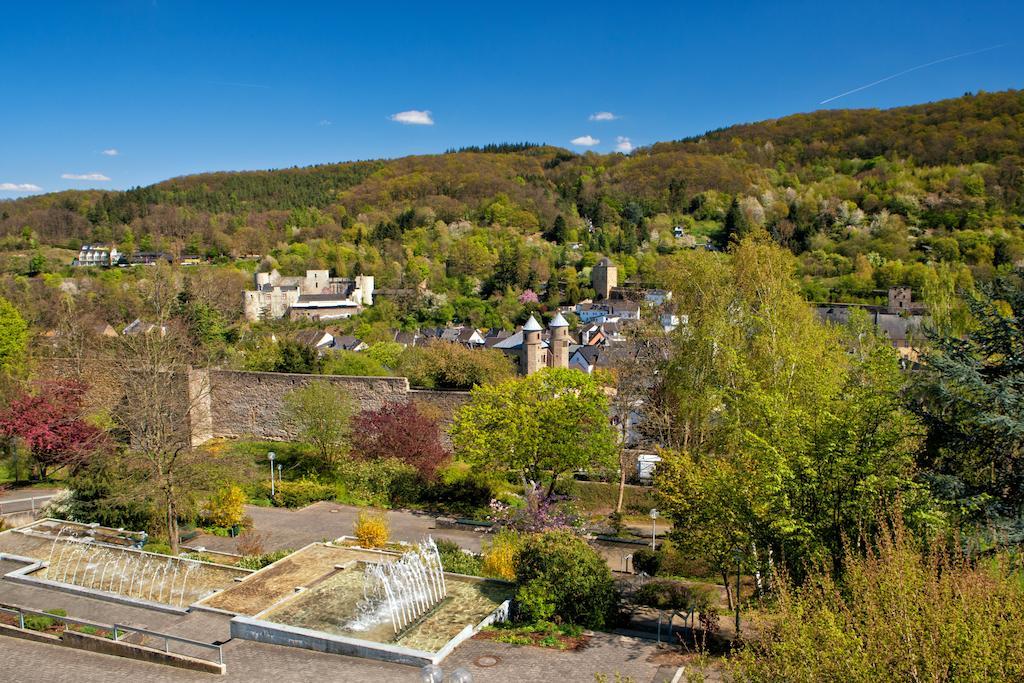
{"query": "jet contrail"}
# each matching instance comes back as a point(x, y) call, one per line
point(913, 68)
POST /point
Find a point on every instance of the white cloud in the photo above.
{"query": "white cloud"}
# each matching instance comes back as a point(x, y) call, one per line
point(84, 176)
point(413, 117)
point(110, 152)
point(324, 122)
point(623, 144)
point(585, 141)
point(603, 116)
point(20, 187)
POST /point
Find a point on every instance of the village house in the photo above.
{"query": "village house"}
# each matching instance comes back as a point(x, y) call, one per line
point(97, 255)
point(318, 340)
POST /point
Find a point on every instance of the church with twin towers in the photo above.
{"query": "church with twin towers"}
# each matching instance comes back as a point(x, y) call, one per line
point(536, 353)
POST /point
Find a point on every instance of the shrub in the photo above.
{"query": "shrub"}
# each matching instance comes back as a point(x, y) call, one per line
point(501, 555)
point(319, 415)
point(455, 559)
point(158, 547)
point(382, 483)
point(372, 531)
point(226, 507)
point(445, 365)
point(251, 542)
point(460, 489)
point(302, 492)
point(647, 561)
point(37, 623)
point(559, 576)
point(261, 561)
point(673, 562)
point(896, 614)
point(353, 364)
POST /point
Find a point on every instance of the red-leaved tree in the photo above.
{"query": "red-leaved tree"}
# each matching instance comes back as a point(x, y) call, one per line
point(48, 420)
point(402, 431)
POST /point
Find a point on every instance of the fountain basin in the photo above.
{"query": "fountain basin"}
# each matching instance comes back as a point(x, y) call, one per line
point(329, 613)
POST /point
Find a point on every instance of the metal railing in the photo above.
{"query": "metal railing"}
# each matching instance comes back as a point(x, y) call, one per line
point(31, 506)
point(121, 631)
point(117, 632)
point(20, 613)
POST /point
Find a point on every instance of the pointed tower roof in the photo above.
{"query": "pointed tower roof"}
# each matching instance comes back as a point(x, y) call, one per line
point(532, 325)
point(558, 321)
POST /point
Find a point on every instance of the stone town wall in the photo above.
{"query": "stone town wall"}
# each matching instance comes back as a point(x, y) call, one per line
point(236, 404)
point(251, 404)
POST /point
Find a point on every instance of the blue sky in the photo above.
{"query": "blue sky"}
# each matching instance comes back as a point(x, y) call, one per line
point(122, 93)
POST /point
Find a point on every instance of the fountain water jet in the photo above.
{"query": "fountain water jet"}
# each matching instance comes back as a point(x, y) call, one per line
point(402, 590)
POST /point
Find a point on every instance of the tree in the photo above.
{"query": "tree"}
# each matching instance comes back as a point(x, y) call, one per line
point(791, 433)
point(353, 363)
point(559, 232)
point(541, 426)
point(160, 396)
point(971, 399)
point(13, 337)
point(636, 412)
point(319, 414)
point(51, 424)
point(736, 225)
point(297, 358)
point(445, 365)
point(400, 430)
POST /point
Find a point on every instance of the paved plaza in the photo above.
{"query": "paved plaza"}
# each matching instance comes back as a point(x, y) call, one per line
point(326, 521)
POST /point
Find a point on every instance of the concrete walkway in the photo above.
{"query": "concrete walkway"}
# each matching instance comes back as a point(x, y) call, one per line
point(26, 499)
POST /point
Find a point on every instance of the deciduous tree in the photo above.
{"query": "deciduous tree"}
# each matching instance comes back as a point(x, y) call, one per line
point(49, 420)
point(541, 426)
point(401, 431)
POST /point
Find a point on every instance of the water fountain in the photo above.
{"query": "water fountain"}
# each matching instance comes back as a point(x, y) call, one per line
point(403, 590)
point(123, 571)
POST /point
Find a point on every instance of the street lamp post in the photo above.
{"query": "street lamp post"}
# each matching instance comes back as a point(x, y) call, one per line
point(279, 477)
point(654, 528)
point(270, 457)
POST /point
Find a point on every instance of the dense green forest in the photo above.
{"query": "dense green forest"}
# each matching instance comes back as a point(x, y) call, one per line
point(920, 195)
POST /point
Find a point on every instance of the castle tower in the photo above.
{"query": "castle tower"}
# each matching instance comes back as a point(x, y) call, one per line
point(899, 299)
point(530, 360)
point(605, 277)
point(558, 352)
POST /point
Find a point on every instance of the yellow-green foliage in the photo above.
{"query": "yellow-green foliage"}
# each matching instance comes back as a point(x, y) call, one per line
point(895, 615)
point(226, 506)
point(372, 531)
point(500, 556)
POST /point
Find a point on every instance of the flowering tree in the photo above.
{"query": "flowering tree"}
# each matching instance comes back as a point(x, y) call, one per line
point(49, 422)
point(541, 512)
point(528, 297)
point(402, 431)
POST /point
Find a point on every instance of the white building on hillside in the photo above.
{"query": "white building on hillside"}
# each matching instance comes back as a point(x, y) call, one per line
point(316, 295)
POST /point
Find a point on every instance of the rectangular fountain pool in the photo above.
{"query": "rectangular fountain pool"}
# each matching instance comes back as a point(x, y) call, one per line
point(331, 607)
point(399, 609)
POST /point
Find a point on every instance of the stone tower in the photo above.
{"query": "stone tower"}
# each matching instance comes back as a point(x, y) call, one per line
point(558, 349)
point(899, 299)
point(530, 360)
point(605, 278)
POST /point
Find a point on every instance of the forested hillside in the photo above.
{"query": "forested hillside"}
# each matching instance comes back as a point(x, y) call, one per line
point(865, 198)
